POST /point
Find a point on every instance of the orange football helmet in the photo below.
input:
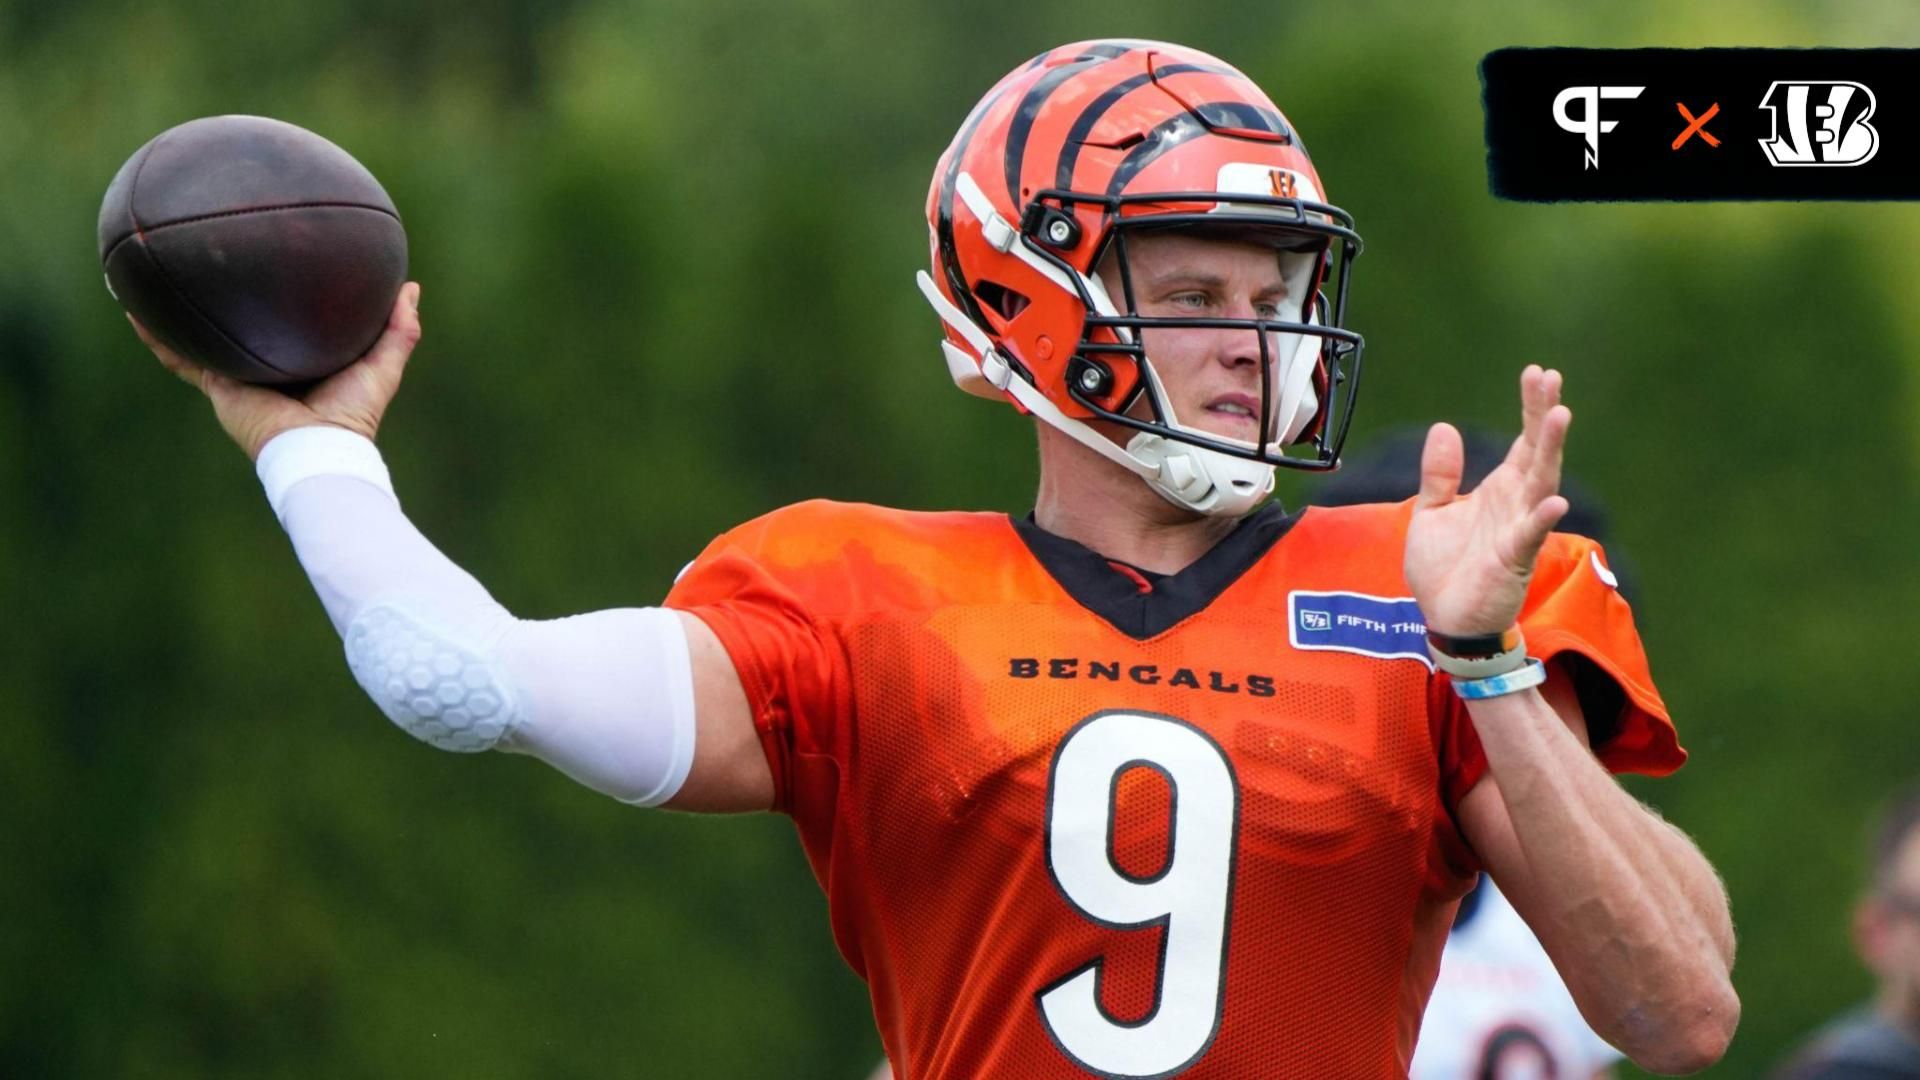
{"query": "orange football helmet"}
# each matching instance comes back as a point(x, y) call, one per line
point(1053, 168)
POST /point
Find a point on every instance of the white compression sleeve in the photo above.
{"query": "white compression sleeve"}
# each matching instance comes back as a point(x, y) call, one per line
point(607, 697)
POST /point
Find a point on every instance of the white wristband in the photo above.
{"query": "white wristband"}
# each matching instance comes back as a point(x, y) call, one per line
point(305, 452)
point(1526, 678)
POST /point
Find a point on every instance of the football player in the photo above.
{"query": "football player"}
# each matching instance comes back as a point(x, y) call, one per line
point(1158, 779)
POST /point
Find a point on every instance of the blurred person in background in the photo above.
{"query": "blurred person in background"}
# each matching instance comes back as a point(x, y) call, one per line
point(1158, 779)
point(1499, 1010)
point(1879, 1040)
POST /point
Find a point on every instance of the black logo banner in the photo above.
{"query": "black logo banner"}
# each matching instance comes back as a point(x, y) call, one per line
point(1694, 124)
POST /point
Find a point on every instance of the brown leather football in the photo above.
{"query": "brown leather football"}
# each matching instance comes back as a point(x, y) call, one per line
point(254, 247)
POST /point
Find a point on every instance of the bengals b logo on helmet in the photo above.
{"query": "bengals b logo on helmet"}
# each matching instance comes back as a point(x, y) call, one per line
point(1285, 185)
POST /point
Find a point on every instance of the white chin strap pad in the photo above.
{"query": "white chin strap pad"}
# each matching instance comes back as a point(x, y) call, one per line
point(1202, 480)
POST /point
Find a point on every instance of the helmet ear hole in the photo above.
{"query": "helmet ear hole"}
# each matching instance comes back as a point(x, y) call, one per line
point(1000, 300)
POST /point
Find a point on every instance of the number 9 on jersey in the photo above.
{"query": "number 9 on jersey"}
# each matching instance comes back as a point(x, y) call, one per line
point(1188, 898)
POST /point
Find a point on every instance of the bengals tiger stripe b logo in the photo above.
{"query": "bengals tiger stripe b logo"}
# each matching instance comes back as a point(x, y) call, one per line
point(1819, 123)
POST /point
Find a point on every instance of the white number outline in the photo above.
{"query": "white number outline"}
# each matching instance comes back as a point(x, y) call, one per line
point(1097, 964)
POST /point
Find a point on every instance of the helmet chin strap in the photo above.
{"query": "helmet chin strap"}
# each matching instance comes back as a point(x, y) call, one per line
point(1203, 480)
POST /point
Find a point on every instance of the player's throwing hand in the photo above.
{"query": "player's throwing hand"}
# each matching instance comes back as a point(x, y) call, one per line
point(353, 398)
point(1469, 556)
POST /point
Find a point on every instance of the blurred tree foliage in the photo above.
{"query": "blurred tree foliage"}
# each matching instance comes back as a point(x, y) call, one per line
point(666, 248)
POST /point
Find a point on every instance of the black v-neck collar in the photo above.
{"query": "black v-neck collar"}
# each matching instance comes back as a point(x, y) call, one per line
point(1090, 578)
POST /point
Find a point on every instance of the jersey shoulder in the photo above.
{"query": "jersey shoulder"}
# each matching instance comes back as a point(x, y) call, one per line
point(825, 525)
point(828, 531)
point(1366, 522)
point(843, 556)
point(1371, 523)
point(1358, 547)
point(1566, 554)
point(1375, 535)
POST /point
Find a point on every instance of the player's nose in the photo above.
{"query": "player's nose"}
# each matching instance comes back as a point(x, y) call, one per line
point(1238, 347)
point(1242, 355)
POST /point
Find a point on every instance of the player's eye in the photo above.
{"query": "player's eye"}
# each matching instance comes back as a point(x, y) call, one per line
point(1190, 301)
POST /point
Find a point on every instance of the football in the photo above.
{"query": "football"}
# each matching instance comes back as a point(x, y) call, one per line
point(253, 247)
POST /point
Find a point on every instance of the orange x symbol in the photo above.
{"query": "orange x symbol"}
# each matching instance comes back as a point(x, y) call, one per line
point(1697, 125)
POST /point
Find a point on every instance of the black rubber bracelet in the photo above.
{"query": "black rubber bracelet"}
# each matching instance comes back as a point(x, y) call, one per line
point(1475, 646)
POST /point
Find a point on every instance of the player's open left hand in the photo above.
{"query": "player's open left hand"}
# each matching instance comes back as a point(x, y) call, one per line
point(1469, 556)
point(354, 398)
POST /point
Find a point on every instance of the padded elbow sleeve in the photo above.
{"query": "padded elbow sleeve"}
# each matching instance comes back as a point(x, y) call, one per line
point(606, 697)
point(446, 693)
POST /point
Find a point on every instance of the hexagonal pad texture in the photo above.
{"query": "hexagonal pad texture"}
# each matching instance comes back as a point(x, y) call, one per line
point(436, 690)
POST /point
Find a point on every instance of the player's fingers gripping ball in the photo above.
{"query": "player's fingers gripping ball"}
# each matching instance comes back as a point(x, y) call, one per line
point(253, 247)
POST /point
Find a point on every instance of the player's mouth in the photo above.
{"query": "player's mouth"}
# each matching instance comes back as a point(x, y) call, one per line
point(1237, 415)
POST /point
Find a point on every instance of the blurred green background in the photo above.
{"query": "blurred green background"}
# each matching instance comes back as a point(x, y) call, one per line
point(666, 248)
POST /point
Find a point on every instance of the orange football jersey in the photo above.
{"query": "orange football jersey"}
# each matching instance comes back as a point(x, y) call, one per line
point(1074, 820)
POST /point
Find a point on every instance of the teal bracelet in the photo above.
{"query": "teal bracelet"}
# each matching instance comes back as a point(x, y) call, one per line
point(1512, 682)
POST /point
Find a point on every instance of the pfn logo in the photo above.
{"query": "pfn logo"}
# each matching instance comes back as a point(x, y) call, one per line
point(1826, 124)
point(1588, 124)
